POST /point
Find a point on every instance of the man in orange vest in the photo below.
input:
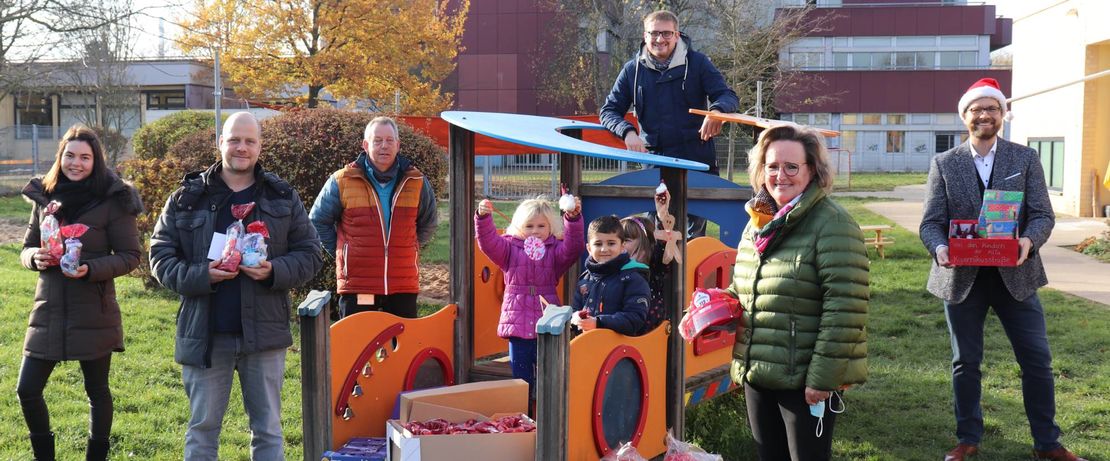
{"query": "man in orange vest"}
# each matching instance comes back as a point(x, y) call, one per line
point(373, 215)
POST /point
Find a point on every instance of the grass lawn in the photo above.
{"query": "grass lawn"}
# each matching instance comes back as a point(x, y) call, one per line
point(873, 182)
point(14, 207)
point(902, 413)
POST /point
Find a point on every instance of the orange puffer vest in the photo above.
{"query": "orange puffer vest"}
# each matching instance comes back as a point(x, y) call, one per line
point(370, 259)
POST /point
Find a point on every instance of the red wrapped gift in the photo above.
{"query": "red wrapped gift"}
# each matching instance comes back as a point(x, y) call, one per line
point(708, 308)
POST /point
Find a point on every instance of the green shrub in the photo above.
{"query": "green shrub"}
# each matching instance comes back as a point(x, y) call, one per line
point(154, 139)
point(303, 147)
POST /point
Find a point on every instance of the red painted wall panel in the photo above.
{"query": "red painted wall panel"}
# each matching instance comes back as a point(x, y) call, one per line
point(885, 91)
point(907, 20)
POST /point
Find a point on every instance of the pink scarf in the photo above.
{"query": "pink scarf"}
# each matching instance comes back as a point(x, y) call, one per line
point(763, 238)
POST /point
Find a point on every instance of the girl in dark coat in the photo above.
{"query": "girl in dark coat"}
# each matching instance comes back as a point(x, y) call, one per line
point(75, 316)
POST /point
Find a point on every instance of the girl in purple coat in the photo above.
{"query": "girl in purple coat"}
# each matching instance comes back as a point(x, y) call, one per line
point(533, 253)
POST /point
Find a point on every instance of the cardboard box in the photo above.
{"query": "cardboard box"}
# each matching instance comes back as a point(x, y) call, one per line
point(482, 401)
point(983, 252)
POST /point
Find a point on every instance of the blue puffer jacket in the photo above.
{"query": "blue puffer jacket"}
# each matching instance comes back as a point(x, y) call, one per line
point(616, 293)
point(662, 101)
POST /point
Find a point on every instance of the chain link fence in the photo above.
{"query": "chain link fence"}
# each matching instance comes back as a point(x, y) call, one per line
point(25, 151)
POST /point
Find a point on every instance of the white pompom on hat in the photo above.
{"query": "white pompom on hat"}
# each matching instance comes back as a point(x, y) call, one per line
point(984, 88)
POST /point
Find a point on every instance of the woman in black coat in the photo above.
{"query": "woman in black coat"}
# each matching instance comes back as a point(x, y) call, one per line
point(75, 315)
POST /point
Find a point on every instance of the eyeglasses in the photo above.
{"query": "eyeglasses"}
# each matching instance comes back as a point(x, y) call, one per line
point(665, 34)
point(977, 111)
point(789, 169)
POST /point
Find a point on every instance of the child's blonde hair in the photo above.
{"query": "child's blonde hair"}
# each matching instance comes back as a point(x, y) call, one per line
point(531, 208)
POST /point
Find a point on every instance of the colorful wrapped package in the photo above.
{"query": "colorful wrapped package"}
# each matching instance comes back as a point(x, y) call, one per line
point(232, 256)
point(708, 308)
point(253, 244)
point(50, 231)
point(360, 449)
point(71, 260)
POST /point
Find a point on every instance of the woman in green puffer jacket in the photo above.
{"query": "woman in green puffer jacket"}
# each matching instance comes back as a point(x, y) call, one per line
point(802, 276)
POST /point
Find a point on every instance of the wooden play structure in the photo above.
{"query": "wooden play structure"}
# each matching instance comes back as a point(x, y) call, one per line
point(593, 391)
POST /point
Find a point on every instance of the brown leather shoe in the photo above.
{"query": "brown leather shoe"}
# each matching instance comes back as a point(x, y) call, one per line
point(1059, 454)
point(961, 452)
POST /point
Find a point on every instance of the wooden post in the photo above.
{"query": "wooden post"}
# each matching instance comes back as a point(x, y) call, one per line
point(315, 374)
point(674, 297)
point(460, 158)
point(553, 367)
point(570, 173)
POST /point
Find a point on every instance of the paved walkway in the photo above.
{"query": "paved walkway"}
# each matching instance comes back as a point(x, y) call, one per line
point(1067, 270)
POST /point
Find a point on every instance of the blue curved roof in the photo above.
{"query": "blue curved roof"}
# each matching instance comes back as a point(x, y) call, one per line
point(543, 133)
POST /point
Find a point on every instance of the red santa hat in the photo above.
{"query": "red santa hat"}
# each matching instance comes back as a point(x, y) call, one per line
point(984, 88)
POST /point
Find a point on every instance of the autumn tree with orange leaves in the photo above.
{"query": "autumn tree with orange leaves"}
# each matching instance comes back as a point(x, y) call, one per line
point(357, 50)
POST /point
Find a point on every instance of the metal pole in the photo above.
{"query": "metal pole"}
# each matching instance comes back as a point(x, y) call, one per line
point(219, 89)
point(731, 151)
point(34, 150)
point(486, 177)
point(759, 98)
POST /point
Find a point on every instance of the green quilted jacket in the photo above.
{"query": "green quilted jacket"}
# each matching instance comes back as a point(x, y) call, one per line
point(805, 301)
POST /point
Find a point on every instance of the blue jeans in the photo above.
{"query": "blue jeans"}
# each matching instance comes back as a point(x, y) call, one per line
point(1024, 324)
point(208, 389)
point(522, 356)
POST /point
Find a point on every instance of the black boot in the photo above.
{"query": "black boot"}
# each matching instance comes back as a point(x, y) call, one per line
point(43, 446)
point(98, 450)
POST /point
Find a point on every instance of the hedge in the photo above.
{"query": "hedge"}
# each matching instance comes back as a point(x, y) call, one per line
point(303, 147)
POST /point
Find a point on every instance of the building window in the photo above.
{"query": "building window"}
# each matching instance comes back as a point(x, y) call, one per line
point(821, 119)
point(847, 140)
point(801, 119)
point(921, 119)
point(946, 141)
point(895, 119)
point(895, 142)
point(849, 119)
point(840, 60)
point(165, 100)
point(33, 109)
point(1052, 159)
point(872, 119)
point(806, 60)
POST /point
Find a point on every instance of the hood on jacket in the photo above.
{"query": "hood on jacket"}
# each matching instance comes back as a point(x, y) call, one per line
point(119, 189)
point(678, 57)
point(198, 183)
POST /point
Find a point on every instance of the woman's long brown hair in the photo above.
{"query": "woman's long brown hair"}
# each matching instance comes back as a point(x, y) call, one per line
point(99, 179)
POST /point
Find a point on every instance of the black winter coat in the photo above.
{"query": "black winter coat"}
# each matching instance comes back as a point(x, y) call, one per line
point(178, 259)
point(79, 319)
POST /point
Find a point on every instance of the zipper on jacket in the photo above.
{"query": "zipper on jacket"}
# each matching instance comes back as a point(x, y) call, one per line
point(346, 257)
point(793, 345)
point(389, 235)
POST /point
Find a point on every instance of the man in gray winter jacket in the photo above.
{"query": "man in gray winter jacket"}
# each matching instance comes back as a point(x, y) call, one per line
point(233, 321)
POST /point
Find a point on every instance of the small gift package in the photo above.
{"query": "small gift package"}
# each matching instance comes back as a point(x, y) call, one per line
point(71, 260)
point(232, 256)
point(49, 231)
point(253, 244)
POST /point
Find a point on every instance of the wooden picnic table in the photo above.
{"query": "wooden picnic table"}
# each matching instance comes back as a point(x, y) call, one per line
point(878, 241)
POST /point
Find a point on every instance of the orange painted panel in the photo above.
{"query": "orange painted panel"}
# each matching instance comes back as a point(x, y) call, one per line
point(351, 335)
point(700, 250)
point(488, 290)
point(587, 354)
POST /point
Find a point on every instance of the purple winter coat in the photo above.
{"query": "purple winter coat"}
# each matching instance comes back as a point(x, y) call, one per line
point(525, 279)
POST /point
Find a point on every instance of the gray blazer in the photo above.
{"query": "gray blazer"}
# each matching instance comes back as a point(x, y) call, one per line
point(952, 193)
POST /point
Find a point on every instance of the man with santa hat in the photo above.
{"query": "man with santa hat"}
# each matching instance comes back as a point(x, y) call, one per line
point(957, 179)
